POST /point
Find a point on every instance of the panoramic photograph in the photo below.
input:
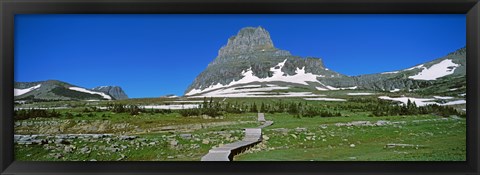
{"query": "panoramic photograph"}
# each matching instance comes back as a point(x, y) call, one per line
point(162, 87)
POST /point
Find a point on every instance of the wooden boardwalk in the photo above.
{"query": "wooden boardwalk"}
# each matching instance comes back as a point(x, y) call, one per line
point(252, 137)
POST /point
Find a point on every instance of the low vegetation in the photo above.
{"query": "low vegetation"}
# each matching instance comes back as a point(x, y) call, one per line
point(359, 129)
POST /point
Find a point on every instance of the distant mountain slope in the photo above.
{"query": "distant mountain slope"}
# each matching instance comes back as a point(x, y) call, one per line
point(250, 65)
point(56, 90)
point(115, 91)
point(419, 76)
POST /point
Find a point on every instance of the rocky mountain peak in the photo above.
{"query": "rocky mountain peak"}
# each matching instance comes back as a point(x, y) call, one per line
point(247, 40)
point(114, 91)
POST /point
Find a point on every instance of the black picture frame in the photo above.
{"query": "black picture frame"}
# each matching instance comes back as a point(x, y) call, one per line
point(9, 8)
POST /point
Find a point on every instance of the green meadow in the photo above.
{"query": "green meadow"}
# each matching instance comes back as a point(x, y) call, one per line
point(352, 130)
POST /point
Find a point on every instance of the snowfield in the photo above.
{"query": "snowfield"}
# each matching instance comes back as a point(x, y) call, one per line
point(62, 107)
point(416, 67)
point(263, 95)
point(404, 100)
point(457, 102)
point(299, 78)
point(321, 89)
point(395, 90)
point(187, 106)
point(79, 89)
point(327, 88)
point(443, 98)
point(266, 91)
point(92, 100)
point(184, 101)
point(394, 72)
point(252, 86)
point(18, 92)
point(424, 101)
point(444, 68)
point(346, 88)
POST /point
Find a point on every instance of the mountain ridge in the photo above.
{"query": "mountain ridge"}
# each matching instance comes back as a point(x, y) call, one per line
point(244, 55)
point(59, 90)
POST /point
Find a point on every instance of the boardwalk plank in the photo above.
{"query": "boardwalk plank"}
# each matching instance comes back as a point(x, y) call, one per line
point(226, 152)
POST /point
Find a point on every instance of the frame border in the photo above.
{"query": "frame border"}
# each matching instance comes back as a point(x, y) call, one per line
point(8, 9)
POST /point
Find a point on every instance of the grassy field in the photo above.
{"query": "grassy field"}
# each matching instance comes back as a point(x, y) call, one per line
point(434, 139)
point(355, 135)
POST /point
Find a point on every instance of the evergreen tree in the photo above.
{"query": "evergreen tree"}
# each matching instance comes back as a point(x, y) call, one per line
point(205, 103)
point(253, 108)
point(262, 107)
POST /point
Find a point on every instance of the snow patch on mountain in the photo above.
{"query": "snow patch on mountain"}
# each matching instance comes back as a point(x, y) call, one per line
point(443, 98)
point(321, 89)
point(395, 90)
point(445, 67)
point(251, 91)
point(457, 102)
point(327, 88)
point(185, 101)
point(172, 107)
point(394, 72)
point(301, 77)
point(345, 88)
point(416, 67)
point(404, 100)
point(79, 89)
point(251, 86)
point(262, 95)
point(18, 92)
point(424, 101)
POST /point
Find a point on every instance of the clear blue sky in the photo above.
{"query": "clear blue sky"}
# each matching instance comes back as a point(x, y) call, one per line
point(154, 55)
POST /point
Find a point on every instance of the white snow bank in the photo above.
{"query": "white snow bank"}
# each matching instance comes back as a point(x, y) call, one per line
point(445, 67)
point(20, 108)
point(423, 101)
point(395, 90)
point(321, 89)
point(345, 88)
point(457, 102)
point(18, 92)
point(259, 91)
point(251, 86)
point(261, 94)
point(325, 99)
point(443, 98)
point(394, 72)
point(185, 101)
point(416, 67)
point(187, 106)
point(418, 101)
point(79, 89)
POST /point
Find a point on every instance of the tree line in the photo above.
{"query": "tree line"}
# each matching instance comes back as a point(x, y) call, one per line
point(213, 108)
